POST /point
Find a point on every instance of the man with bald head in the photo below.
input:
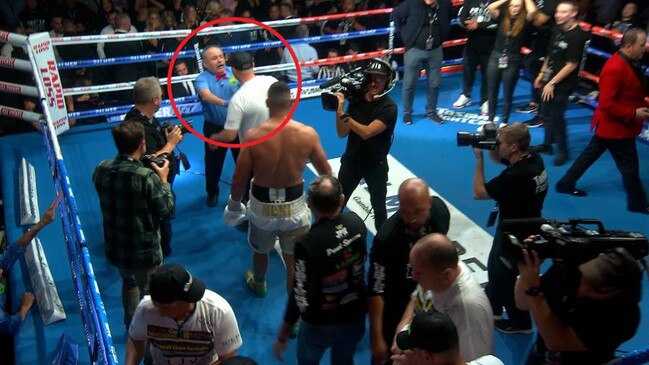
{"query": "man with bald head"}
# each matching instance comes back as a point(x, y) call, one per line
point(446, 285)
point(390, 277)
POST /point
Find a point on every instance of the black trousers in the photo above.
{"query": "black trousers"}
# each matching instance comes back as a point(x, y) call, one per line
point(502, 278)
point(533, 63)
point(625, 155)
point(376, 177)
point(554, 121)
point(472, 59)
point(214, 160)
point(509, 78)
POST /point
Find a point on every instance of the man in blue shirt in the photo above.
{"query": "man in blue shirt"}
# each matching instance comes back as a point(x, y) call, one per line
point(214, 90)
point(303, 52)
point(9, 325)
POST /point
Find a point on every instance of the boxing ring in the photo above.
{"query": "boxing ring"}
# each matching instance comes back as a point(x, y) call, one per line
point(54, 121)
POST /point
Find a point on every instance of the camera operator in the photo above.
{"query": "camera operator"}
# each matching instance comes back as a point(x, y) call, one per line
point(147, 97)
point(519, 192)
point(134, 199)
point(574, 306)
point(369, 125)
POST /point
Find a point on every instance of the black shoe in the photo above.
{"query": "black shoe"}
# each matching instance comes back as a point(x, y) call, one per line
point(243, 226)
point(642, 210)
point(436, 118)
point(560, 160)
point(534, 122)
point(506, 326)
point(528, 108)
point(543, 148)
point(212, 201)
point(570, 191)
point(407, 119)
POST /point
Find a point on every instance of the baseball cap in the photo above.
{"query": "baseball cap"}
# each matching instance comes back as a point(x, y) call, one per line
point(376, 66)
point(611, 271)
point(169, 283)
point(240, 61)
point(431, 331)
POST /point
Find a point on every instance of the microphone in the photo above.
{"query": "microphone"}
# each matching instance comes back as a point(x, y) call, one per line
point(331, 82)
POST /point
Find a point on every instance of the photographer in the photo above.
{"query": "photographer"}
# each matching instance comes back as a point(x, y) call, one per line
point(617, 121)
point(134, 200)
point(519, 192)
point(160, 141)
point(369, 125)
point(573, 306)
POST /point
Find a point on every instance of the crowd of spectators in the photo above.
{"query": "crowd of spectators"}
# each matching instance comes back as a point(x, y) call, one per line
point(79, 17)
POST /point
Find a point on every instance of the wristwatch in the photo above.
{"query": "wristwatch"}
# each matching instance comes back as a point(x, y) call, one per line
point(344, 117)
point(534, 291)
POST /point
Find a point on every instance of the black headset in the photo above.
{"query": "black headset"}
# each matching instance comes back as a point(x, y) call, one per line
point(392, 76)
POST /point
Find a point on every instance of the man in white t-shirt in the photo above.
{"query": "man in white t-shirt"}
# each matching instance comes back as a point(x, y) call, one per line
point(247, 108)
point(433, 339)
point(447, 286)
point(182, 322)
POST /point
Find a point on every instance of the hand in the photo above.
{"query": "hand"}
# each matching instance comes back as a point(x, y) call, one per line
point(380, 352)
point(174, 136)
point(529, 270)
point(50, 214)
point(278, 348)
point(163, 171)
point(341, 100)
point(1, 271)
point(28, 301)
point(478, 153)
point(471, 24)
point(538, 82)
point(548, 92)
point(642, 113)
point(84, 97)
point(213, 147)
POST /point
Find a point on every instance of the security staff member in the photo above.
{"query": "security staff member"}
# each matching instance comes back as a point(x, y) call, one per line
point(369, 125)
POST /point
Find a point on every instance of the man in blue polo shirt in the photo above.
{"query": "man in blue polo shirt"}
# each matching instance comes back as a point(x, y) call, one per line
point(214, 90)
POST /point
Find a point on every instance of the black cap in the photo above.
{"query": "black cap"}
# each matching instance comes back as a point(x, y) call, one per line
point(376, 66)
point(240, 61)
point(431, 331)
point(169, 283)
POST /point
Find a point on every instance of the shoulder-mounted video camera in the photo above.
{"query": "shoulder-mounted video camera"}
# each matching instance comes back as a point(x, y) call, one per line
point(570, 241)
point(352, 83)
point(485, 140)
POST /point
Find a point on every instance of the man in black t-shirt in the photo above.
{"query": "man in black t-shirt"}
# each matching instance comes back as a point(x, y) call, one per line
point(329, 293)
point(559, 75)
point(519, 192)
point(147, 97)
point(390, 275)
point(369, 125)
point(575, 307)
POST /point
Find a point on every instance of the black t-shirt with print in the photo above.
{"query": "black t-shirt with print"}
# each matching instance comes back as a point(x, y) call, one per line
point(566, 47)
point(376, 148)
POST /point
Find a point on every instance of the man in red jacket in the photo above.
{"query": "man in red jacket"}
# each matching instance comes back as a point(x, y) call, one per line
point(617, 121)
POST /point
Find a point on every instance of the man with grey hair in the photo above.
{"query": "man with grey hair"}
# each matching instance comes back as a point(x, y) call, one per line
point(303, 52)
point(160, 141)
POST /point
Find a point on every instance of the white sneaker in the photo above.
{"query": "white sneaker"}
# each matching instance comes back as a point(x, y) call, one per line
point(462, 101)
point(484, 108)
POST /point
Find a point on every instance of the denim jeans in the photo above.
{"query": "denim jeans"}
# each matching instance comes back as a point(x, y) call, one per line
point(414, 61)
point(342, 338)
point(509, 77)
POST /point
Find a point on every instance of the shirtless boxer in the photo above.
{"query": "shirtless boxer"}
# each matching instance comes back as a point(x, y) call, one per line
point(277, 208)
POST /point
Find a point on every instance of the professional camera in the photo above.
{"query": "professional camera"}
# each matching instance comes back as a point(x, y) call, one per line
point(569, 241)
point(169, 126)
point(159, 160)
point(349, 84)
point(485, 140)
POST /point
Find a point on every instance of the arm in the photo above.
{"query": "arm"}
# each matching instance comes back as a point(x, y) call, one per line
point(173, 139)
point(479, 188)
point(611, 84)
point(242, 173)
point(341, 127)
point(207, 97)
point(226, 136)
point(408, 314)
point(380, 350)
point(46, 219)
point(556, 335)
point(366, 131)
point(158, 190)
point(539, 78)
point(134, 351)
point(540, 18)
point(531, 9)
point(318, 156)
point(548, 89)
